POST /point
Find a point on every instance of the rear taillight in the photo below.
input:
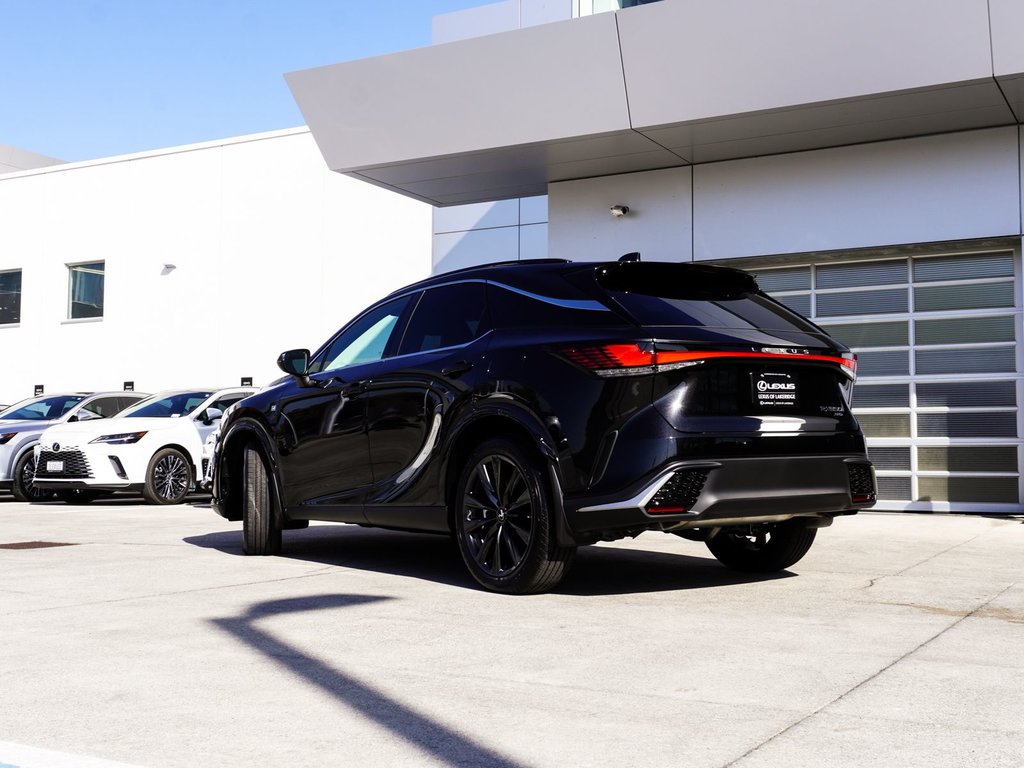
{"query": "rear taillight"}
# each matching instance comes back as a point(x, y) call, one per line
point(639, 358)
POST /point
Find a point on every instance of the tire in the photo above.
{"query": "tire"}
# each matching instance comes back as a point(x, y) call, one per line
point(23, 485)
point(168, 477)
point(503, 521)
point(78, 496)
point(260, 532)
point(762, 548)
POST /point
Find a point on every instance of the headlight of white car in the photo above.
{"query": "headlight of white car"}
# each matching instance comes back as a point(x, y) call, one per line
point(122, 438)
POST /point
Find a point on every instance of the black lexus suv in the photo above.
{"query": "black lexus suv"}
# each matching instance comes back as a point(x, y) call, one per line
point(529, 408)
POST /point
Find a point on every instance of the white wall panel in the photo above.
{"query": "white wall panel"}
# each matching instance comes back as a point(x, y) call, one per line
point(533, 210)
point(947, 187)
point(455, 250)
point(533, 241)
point(271, 251)
point(659, 223)
point(458, 218)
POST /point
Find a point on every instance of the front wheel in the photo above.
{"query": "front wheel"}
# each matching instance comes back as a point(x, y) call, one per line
point(503, 521)
point(168, 478)
point(24, 482)
point(762, 548)
point(260, 533)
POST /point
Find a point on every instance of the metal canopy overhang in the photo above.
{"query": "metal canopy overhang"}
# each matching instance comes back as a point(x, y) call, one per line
point(504, 115)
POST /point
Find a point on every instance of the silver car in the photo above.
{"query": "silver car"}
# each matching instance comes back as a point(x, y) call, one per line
point(22, 423)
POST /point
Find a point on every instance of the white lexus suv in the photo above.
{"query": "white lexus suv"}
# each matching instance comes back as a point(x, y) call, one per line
point(154, 447)
point(22, 424)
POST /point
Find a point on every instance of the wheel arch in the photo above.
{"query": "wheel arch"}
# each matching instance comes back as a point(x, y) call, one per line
point(241, 434)
point(515, 424)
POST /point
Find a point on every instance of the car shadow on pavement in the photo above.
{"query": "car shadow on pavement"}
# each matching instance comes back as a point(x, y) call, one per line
point(422, 732)
point(597, 571)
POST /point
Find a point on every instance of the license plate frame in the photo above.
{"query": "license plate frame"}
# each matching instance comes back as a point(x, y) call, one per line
point(774, 389)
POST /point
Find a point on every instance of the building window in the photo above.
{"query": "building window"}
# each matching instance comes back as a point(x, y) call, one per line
point(10, 297)
point(85, 290)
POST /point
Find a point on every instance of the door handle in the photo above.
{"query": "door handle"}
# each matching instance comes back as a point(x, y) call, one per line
point(456, 369)
point(354, 389)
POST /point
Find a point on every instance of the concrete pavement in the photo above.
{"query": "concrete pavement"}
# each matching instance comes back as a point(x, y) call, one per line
point(148, 639)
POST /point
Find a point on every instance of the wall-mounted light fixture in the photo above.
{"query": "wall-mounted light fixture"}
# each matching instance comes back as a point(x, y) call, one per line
point(618, 211)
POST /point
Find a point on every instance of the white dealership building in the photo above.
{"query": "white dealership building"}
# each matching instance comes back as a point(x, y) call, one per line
point(864, 160)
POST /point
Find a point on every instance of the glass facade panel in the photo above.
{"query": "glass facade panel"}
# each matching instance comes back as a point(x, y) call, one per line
point(881, 395)
point(963, 267)
point(860, 274)
point(885, 334)
point(862, 302)
point(964, 330)
point(966, 395)
point(964, 458)
point(883, 363)
point(957, 361)
point(890, 458)
point(971, 424)
point(884, 424)
point(938, 297)
point(894, 488)
point(794, 279)
point(985, 490)
point(10, 297)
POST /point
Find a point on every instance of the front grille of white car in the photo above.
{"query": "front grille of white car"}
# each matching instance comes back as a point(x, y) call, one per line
point(75, 464)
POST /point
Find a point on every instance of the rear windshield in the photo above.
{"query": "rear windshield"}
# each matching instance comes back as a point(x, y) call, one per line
point(695, 294)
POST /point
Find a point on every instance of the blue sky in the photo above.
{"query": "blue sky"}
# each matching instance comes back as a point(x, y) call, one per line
point(81, 79)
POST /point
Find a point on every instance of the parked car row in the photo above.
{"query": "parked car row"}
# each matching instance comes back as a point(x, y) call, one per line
point(78, 446)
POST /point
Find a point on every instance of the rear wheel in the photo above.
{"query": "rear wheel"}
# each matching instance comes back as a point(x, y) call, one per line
point(24, 486)
point(503, 521)
point(168, 478)
point(260, 534)
point(762, 548)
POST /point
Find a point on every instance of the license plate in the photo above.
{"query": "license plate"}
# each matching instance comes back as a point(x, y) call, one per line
point(55, 466)
point(774, 390)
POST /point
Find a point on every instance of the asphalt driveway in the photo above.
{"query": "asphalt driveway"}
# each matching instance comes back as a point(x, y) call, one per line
point(147, 638)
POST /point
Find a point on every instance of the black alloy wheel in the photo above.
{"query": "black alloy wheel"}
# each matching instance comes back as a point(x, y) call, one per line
point(169, 477)
point(24, 486)
point(763, 548)
point(503, 523)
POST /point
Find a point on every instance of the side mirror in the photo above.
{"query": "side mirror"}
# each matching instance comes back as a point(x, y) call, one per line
point(295, 362)
point(210, 415)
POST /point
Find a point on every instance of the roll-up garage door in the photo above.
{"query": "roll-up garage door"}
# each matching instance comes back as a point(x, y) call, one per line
point(938, 389)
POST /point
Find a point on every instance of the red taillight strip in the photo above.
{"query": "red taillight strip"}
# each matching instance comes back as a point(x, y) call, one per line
point(618, 356)
point(661, 358)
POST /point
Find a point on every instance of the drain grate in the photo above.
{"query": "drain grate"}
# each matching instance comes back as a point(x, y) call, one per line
point(34, 545)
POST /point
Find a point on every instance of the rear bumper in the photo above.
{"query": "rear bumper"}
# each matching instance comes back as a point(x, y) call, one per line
point(694, 494)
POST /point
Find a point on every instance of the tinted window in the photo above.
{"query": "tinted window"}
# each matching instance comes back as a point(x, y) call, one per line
point(222, 403)
point(45, 409)
point(365, 340)
point(102, 406)
point(446, 316)
point(753, 311)
point(517, 310)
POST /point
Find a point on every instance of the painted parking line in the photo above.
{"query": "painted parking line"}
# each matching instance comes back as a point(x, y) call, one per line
point(21, 756)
